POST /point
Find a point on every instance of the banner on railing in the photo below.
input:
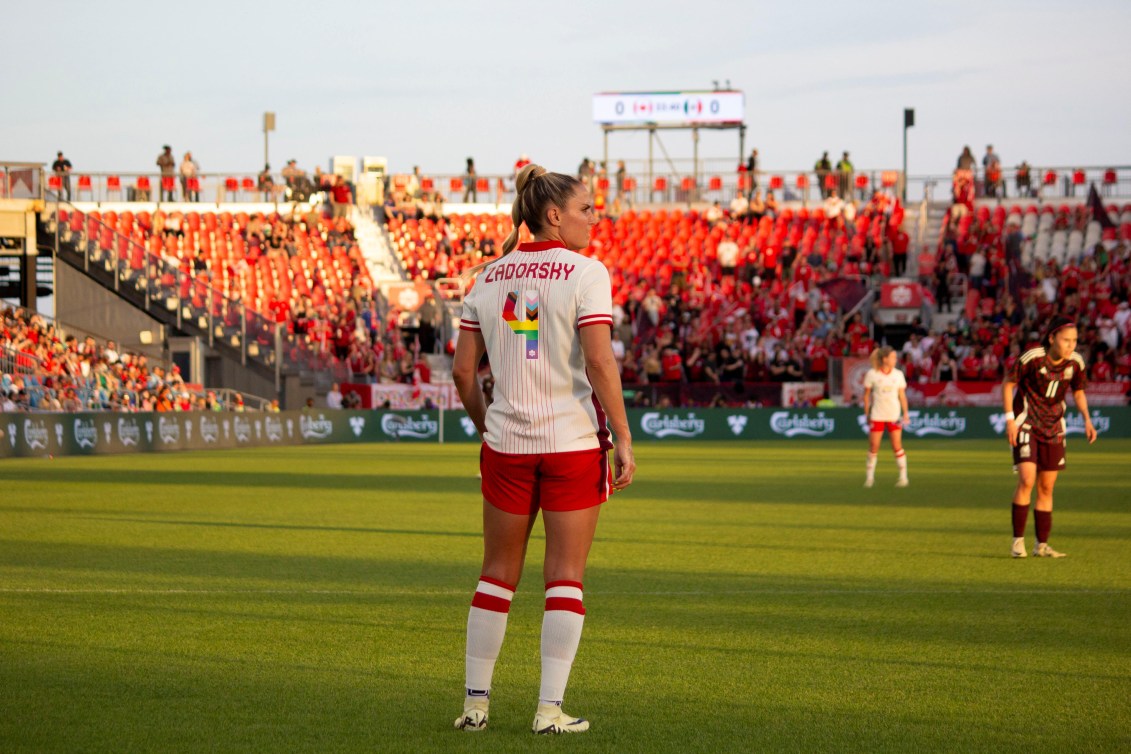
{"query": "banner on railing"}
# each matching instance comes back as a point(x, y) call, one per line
point(50, 434)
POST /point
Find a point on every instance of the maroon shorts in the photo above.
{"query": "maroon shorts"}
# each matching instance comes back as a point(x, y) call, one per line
point(1047, 454)
point(889, 426)
point(523, 483)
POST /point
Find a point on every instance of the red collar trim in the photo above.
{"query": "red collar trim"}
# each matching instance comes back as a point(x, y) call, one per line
point(540, 246)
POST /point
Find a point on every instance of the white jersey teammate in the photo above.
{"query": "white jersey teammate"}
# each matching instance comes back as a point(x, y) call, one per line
point(885, 408)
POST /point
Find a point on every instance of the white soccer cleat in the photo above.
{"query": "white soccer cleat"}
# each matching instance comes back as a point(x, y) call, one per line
point(1042, 550)
point(869, 482)
point(474, 717)
point(551, 720)
point(902, 482)
point(1018, 550)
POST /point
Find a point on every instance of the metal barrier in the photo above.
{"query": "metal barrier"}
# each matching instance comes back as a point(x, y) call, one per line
point(161, 188)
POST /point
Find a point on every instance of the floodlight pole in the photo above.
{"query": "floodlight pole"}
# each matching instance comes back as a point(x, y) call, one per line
point(268, 125)
point(694, 166)
point(606, 161)
point(908, 122)
point(651, 134)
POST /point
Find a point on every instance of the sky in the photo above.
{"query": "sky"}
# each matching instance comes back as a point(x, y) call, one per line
point(432, 82)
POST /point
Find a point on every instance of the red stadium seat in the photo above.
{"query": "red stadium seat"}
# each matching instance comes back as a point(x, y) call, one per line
point(1078, 177)
point(85, 184)
point(455, 185)
point(861, 181)
point(687, 184)
point(483, 185)
point(426, 184)
point(715, 183)
point(629, 183)
point(602, 184)
point(744, 181)
point(113, 183)
point(247, 184)
point(1110, 177)
point(776, 182)
point(660, 183)
point(55, 182)
point(831, 181)
point(802, 181)
point(1049, 178)
point(143, 183)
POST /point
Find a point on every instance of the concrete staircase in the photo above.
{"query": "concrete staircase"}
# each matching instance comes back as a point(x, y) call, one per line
point(374, 245)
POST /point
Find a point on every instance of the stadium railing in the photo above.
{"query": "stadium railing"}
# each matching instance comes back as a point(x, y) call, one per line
point(204, 188)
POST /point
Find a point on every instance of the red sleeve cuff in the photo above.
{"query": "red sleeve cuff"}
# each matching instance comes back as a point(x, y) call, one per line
point(595, 319)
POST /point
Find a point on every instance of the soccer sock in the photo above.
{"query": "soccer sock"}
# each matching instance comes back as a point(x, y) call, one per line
point(486, 626)
point(870, 468)
point(901, 462)
point(1020, 518)
point(1043, 520)
point(561, 633)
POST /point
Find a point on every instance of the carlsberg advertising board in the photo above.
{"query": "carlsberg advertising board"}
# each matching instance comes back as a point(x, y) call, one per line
point(45, 434)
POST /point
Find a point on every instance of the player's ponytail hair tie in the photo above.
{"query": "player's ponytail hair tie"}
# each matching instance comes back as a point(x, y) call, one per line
point(1057, 324)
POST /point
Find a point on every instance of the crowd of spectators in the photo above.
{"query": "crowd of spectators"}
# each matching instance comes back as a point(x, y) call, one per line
point(1010, 292)
point(46, 368)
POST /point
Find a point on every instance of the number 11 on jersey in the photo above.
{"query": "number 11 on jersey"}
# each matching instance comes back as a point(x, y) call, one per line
point(528, 327)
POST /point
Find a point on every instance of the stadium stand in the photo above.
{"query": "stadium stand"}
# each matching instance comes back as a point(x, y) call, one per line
point(48, 366)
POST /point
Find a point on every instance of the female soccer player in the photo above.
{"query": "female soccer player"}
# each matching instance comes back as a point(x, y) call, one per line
point(544, 318)
point(885, 406)
point(1033, 393)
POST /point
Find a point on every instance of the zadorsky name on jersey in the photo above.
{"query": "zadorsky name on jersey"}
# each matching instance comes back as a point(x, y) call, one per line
point(671, 425)
point(791, 425)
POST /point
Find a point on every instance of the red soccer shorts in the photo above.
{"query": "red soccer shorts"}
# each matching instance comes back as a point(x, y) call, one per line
point(889, 426)
point(523, 483)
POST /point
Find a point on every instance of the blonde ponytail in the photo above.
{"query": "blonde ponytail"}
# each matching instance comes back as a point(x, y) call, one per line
point(535, 189)
point(878, 355)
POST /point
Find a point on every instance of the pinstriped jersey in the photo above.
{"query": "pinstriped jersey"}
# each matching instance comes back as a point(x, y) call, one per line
point(1041, 389)
point(529, 307)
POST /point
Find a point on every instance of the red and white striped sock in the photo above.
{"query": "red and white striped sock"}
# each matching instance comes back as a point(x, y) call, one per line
point(901, 463)
point(486, 627)
point(561, 633)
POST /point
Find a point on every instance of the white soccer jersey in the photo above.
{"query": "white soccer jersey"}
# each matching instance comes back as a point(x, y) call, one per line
point(885, 394)
point(529, 306)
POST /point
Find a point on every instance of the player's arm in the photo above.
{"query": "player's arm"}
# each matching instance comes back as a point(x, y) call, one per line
point(465, 373)
point(1082, 405)
point(1010, 422)
point(903, 405)
point(867, 400)
point(601, 366)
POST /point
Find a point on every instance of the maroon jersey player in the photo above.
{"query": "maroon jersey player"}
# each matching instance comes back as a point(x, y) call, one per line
point(1034, 393)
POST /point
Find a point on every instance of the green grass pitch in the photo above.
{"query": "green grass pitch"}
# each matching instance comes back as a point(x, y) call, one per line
point(740, 597)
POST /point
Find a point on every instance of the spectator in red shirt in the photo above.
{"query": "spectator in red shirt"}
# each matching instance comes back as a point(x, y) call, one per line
point(340, 198)
point(970, 368)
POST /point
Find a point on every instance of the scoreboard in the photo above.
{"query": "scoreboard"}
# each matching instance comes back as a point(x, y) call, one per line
point(669, 108)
